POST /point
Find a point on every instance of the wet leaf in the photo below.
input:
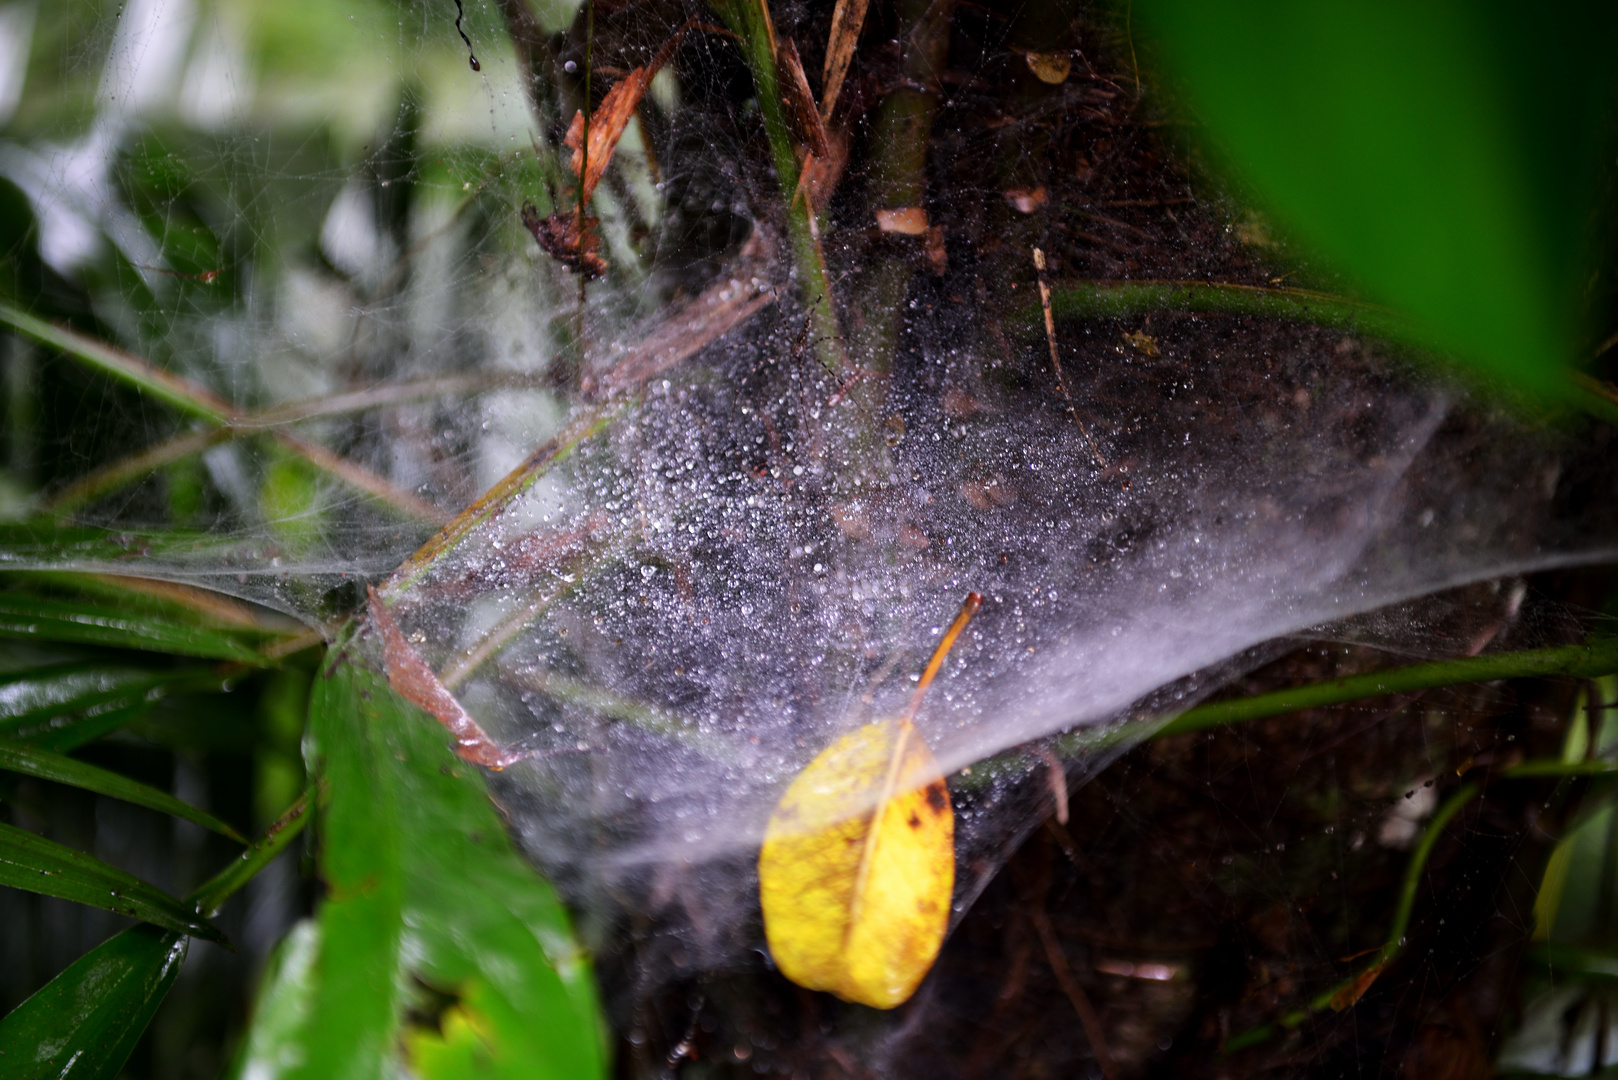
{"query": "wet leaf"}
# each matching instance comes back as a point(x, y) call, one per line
point(47, 765)
point(87, 622)
point(858, 863)
point(858, 867)
point(1445, 155)
point(85, 1022)
point(38, 865)
point(61, 706)
point(422, 883)
point(272, 1047)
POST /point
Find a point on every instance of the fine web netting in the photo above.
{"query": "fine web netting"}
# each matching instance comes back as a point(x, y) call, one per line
point(712, 554)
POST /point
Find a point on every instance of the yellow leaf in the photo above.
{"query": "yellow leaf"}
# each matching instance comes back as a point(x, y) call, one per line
point(858, 863)
point(856, 887)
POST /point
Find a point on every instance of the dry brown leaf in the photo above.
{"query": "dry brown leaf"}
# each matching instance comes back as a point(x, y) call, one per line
point(607, 125)
point(847, 20)
point(561, 238)
point(1050, 68)
point(802, 116)
point(611, 117)
point(1027, 200)
point(414, 681)
point(904, 220)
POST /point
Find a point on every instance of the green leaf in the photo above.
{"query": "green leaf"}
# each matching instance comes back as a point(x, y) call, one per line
point(43, 866)
point(1442, 154)
point(84, 1022)
point(423, 884)
point(355, 1015)
point(86, 622)
point(274, 1046)
point(67, 705)
point(46, 765)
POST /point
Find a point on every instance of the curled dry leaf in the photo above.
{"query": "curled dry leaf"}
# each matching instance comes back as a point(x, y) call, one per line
point(858, 863)
point(414, 681)
point(561, 238)
point(611, 117)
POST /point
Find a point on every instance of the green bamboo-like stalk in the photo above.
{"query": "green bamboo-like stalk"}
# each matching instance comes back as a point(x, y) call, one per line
point(750, 21)
point(213, 893)
point(1128, 299)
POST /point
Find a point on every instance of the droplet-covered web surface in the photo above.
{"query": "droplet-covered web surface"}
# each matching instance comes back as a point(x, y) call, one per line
point(705, 595)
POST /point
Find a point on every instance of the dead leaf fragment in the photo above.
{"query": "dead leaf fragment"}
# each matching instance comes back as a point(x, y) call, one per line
point(858, 863)
point(414, 681)
point(1348, 995)
point(611, 117)
point(905, 220)
point(561, 238)
point(1027, 200)
point(1050, 68)
point(802, 116)
point(847, 19)
point(1141, 342)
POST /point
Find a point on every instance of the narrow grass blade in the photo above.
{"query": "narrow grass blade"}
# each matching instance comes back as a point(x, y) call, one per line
point(39, 618)
point(46, 765)
point(1585, 661)
point(211, 896)
point(84, 1023)
point(182, 394)
point(38, 865)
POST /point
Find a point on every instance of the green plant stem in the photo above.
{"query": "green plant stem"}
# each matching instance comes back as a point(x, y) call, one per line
point(750, 21)
point(555, 450)
point(1345, 993)
point(1126, 299)
point(898, 144)
point(211, 896)
point(1585, 661)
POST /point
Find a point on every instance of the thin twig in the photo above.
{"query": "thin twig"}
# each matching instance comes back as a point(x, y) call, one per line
point(1075, 993)
point(1056, 362)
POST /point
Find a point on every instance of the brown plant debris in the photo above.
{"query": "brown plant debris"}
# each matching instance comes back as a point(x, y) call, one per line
point(846, 23)
point(563, 240)
point(414, 681)
point(802, 116)
point(611, 117)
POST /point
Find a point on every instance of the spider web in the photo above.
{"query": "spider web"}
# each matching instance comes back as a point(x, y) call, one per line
point(313, 212)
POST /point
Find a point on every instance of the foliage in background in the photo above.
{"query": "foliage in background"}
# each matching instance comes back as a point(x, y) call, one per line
point(1446, 157)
